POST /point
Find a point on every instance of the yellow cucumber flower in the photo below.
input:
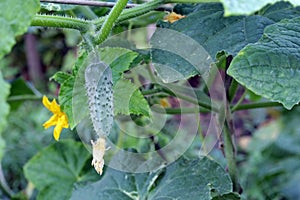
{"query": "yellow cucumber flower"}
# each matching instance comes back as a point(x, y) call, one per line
point(59, 118)
point(173, 17)
point(164, 103)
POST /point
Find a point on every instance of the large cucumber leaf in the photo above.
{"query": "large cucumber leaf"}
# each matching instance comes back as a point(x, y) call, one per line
point(56, 169)
point(279, 11)
point(271, 67)
point(184, 179)
point(128, 99)
point(207, 27)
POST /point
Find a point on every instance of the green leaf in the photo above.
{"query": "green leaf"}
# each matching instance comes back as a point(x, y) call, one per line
point(15, 18)
point(279, 11)
point(184, 179)
point(24, 129)
point(55, 169)
point(120, 65)
point(213, 32)
point(128, 99)
point(65, 99)
point(119, 60)
point(4, 107)
point(172, 67)
point(270, 67)
point(60, 77)
point(192, 180)
point(247, 7)
point(114, 185)
point(66, 81)
point(216, 33)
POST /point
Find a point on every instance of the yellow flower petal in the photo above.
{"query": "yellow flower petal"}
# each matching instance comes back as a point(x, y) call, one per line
point(59, 118)
point(64, 120)
point(173, 17)
point(164, 103)
point(51, 122)
point(52, 106)
point(57, 130)
point(46, 102)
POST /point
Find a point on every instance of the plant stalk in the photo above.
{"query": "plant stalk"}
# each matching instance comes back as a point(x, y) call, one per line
point(152, 91)
point(24, 98)
point(230, 154)
point(176, 111)
point(232, 90)
point(255, 106)
point(61, 22)
point(109, 21)
point(191, 100)
point(132, 12)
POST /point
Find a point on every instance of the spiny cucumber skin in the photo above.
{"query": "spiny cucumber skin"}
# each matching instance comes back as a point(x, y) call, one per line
point(98, 83)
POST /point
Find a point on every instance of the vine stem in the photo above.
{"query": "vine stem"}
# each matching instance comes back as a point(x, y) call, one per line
point(240, 100)
point(109, 21)
point(176, 111)
point(132, 12)
point(85, 25)
point(232, 90)
point(152, 91)
point(191, 100)
point(23, 98)
point(61, 22)
point(230, 154)
point(255, 105)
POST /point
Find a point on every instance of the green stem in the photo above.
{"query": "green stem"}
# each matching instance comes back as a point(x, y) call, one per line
point(139, 10)
point(61, 22)
point(176, 111)
point(132, 12)
point(255, 105)
point(232, 90)
point(83, 25)
point(239, 101)
point(230, 154)
point(152, 91)
point(23, 98)
point(110, 20)
point(191, 100)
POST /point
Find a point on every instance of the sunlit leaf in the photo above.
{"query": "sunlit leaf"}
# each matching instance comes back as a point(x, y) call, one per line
point(270, 67)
